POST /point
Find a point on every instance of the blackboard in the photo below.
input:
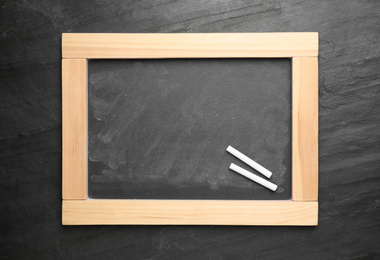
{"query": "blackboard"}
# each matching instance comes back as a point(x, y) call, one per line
point(158, 129)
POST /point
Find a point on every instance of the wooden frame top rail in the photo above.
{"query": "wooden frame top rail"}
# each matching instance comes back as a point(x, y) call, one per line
point(188, 45)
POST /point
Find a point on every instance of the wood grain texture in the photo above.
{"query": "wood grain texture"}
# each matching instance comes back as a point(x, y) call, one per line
point(74, 129)
point(189, 45)
point(305, 129)
point(188, 212)
point(305, 117)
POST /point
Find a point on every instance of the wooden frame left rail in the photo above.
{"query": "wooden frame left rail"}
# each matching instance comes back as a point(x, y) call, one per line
point(74, 128)
point(302, 209)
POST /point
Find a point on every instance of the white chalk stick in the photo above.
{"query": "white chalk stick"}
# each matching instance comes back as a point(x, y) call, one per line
point(249, 161)
point(253, 177)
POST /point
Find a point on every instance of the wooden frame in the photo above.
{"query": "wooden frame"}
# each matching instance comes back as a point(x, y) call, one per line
point(302, 209)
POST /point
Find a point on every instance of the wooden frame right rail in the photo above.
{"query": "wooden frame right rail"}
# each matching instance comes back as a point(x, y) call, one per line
point(305, 129)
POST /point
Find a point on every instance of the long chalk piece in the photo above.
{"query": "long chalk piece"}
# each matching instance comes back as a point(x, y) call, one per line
point(249, 161)
point(253, 177)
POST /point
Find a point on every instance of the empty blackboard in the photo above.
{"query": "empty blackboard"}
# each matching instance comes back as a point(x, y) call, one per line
point(158, 129)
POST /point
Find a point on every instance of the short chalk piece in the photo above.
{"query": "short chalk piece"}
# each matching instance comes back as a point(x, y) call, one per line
point(249, 161)
point(253, 177)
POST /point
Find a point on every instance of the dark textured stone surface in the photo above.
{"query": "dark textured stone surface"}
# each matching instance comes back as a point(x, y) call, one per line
point(30, 130)
point(159, 129)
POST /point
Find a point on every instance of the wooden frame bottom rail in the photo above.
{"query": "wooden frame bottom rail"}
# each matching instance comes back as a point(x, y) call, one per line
point(189, 212)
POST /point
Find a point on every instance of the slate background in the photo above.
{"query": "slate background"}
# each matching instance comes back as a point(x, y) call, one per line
point(30, 130)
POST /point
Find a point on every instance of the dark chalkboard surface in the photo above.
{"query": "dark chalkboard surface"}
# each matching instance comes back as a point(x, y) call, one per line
point(158, 129)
